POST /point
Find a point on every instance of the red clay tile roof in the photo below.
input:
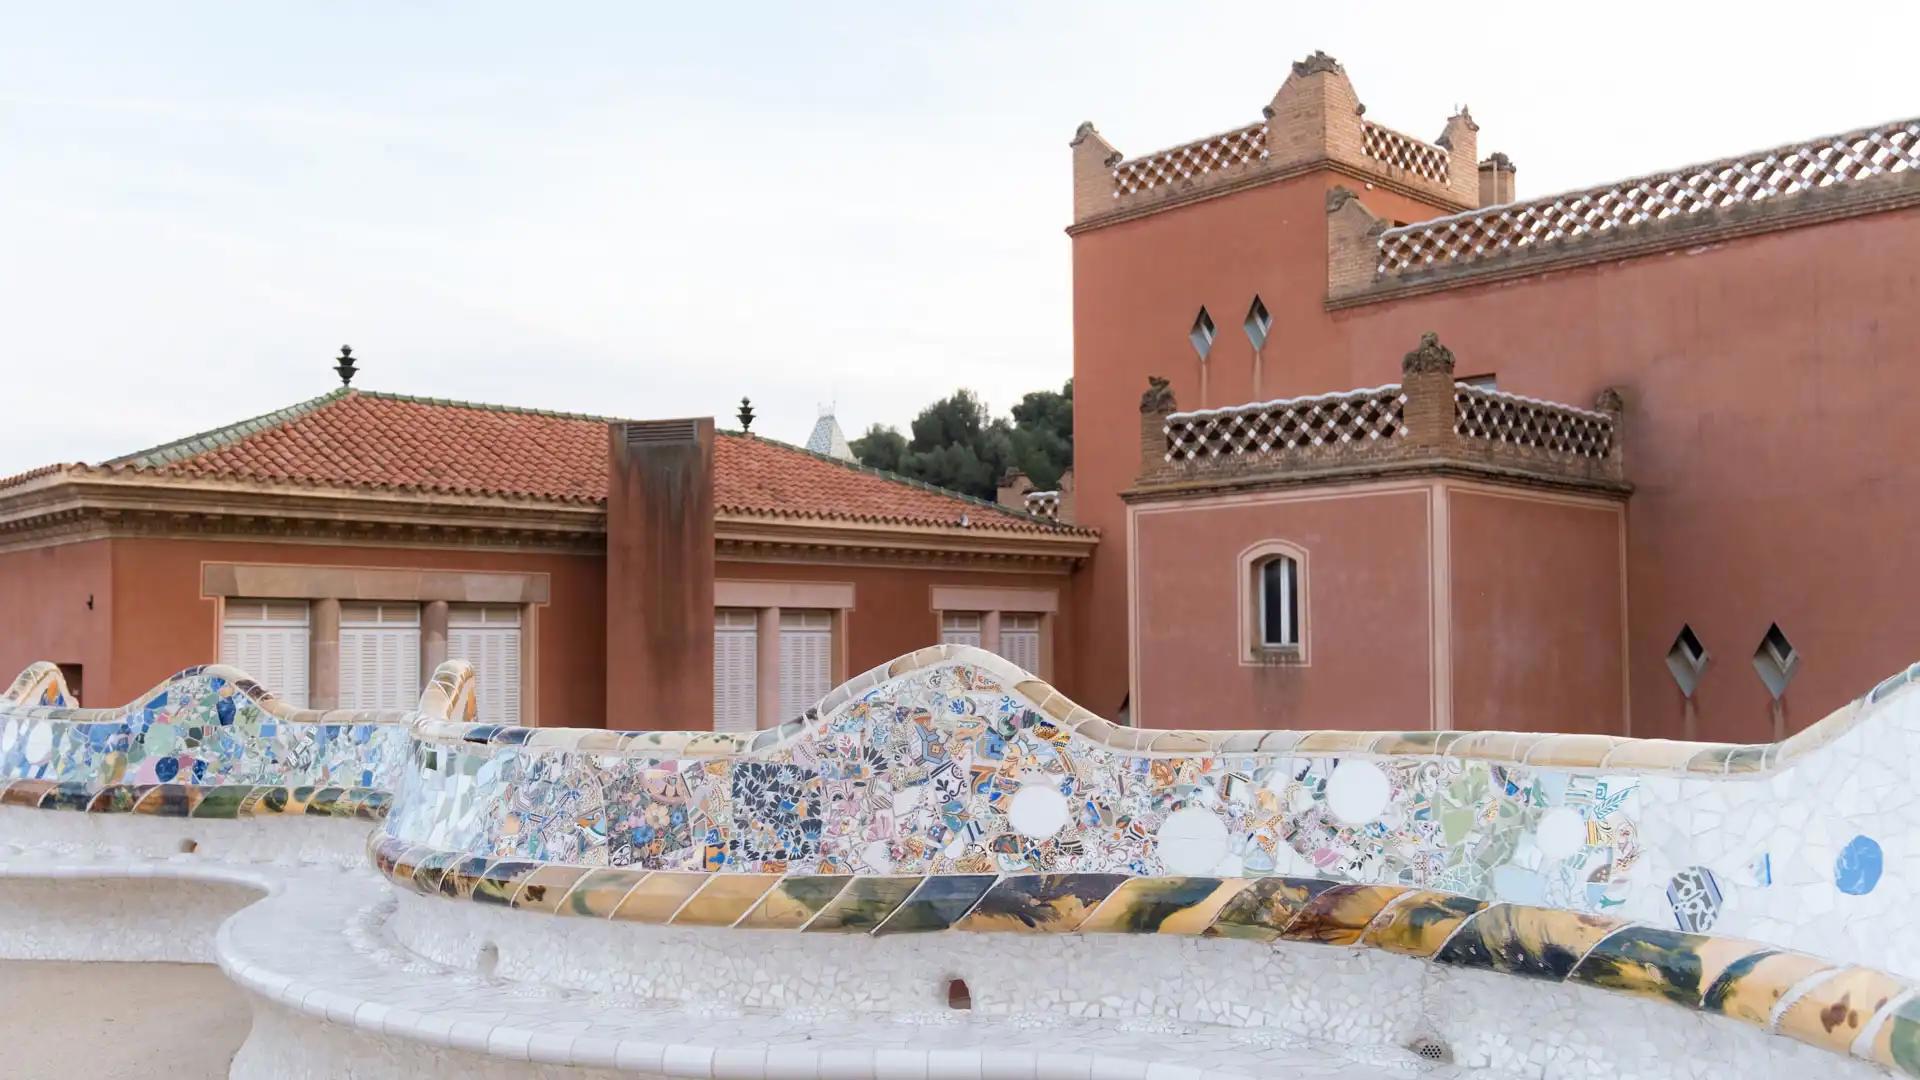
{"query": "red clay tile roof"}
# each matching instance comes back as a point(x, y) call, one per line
point(365, 439)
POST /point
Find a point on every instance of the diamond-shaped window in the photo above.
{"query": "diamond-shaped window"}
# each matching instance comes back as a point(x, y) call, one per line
point(1687, 659)
point(1258, 324)
point(1202, 334)
point(1776, 661)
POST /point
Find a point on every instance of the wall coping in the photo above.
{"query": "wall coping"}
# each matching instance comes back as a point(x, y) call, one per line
point(1607, 752)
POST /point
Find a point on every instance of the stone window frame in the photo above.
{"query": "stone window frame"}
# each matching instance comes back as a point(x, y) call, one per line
point(992, 602)
point(435, 589)
point(767, 599)
point(1253, 650)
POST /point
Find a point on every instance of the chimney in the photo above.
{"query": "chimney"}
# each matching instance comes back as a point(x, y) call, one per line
point(1496, 180)
point(1013, 488)
point(660, 574)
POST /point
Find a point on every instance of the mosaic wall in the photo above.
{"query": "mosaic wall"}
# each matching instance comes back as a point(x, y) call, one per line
point(209, 742)
point(951, 768)
point(949, 791)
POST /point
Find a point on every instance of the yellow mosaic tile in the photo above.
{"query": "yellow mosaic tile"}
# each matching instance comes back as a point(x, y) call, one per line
point(793, 902)
point(1750, 988)
point(1572, 751)
point(1834, 1012)
point(543, 889)
point(1342, 914)
point(658, 897)
point(1420, 922)
point(1332, 743)
point(724, 899)
point(1650, 755)
point(599, 892)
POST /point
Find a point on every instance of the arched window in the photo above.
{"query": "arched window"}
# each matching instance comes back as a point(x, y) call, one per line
point(1273, 604)
point(1279, 603)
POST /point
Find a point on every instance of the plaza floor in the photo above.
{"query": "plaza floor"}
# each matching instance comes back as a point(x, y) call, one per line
point(113, 1021)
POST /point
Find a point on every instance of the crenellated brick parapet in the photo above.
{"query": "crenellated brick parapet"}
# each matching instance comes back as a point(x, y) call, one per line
point(1861, 171)
point(1315, 120)
point(1426, 419)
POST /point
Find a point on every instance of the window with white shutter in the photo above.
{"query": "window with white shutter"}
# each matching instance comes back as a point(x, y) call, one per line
point(488, 637)
point(960, 628)
point(379, 656)
point(736, 691)
point(806, 660)
point(267, 639)
point(1020, 640)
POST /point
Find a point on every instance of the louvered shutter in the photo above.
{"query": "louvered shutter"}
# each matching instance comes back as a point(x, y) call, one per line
point(960, 628)
point(806, 660)
point(379, 656)
point(488, 637)
point(1020, 641)
point(267, 639)
point(735, 683)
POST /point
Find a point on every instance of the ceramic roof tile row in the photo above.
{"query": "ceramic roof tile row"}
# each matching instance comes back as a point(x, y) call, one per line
point(363, 439)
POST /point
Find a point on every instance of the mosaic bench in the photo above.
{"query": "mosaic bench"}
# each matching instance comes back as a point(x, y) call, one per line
point(951, 799)
point(818, 898)
point(208, 744)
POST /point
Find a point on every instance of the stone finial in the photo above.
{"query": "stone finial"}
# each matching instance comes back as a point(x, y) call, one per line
point(1466, 116)
point(345, 368)
point(1337, 197)
point(1318, 64)
point(1610, 401)
point(746, 416)
point(1159, 396)
point(1430, 358)
point(1081, 133)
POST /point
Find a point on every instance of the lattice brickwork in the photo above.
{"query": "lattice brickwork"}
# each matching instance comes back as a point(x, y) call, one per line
point(1044, 504)
point(1208, 155)
point(1530, 424)
point(1279, 427)
point(1770, 174)
point(1404, 152)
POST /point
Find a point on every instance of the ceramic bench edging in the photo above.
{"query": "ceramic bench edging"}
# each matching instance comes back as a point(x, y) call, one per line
point(1783, 992)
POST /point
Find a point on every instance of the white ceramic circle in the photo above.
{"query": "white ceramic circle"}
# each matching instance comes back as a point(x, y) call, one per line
point(1358, 791)
point(1560, 833)
point(1191, 841)
point(1037, 810)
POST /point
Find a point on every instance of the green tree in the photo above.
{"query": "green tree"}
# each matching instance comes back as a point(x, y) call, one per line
point(958, 444)
point(1043, 435)
point(881, 447)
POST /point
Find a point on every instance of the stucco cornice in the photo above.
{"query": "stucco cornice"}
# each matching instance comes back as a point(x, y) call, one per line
point(78, 503)
point(1428, 468)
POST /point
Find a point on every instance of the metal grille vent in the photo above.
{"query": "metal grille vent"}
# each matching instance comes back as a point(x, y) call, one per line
point(1429, 1048)
point(662, 432)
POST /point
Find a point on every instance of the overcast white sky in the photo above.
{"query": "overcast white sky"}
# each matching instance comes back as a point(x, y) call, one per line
point(650, 210)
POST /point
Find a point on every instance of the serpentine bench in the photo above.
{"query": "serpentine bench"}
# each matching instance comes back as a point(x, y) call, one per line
point(947, 868)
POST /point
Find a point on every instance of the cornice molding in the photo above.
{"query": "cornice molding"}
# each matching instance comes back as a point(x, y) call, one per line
point(77, 504)
point(1425, 468)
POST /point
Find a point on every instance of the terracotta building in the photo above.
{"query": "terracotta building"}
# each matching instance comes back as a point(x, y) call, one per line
point(1662, 487)
point(340, 548)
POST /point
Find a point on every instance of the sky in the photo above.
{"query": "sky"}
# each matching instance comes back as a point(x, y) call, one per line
point(648, 210)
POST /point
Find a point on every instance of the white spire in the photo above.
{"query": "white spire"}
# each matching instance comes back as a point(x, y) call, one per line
point(827, 438)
